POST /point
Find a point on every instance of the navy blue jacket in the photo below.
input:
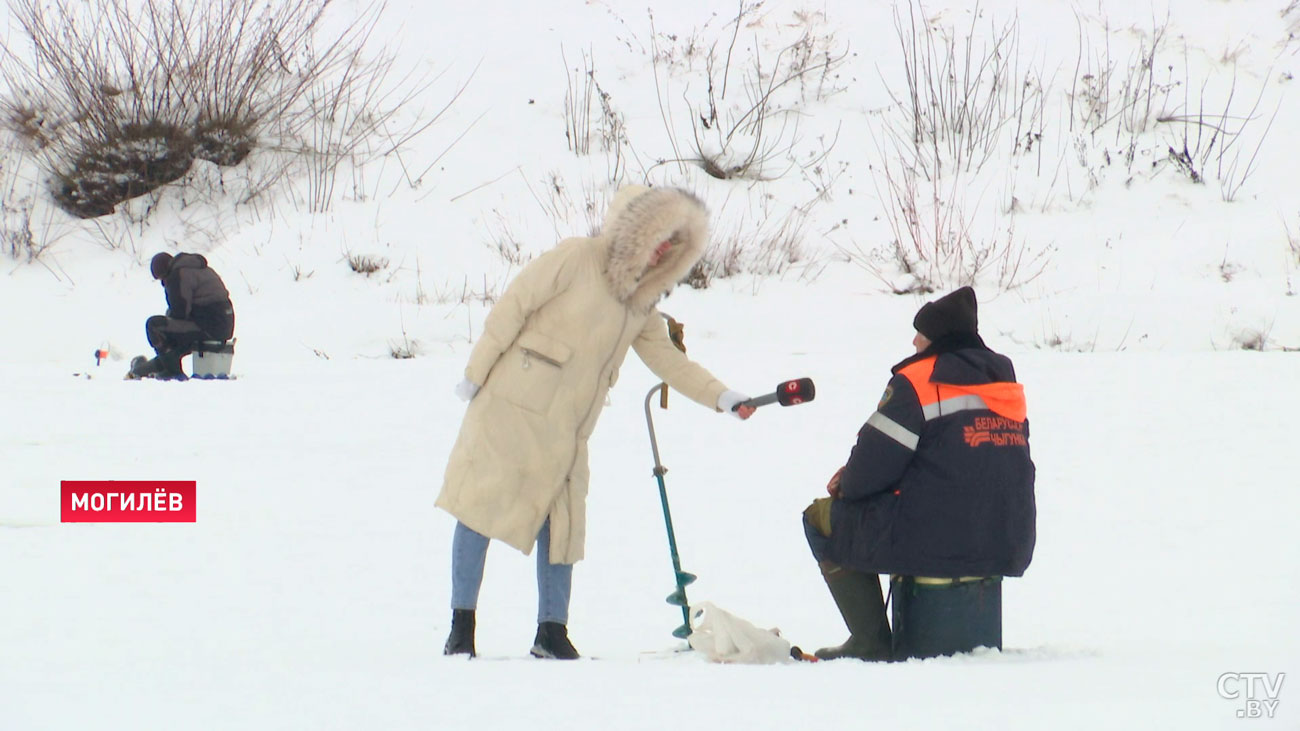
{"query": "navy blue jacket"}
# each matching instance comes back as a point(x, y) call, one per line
point(940, 482)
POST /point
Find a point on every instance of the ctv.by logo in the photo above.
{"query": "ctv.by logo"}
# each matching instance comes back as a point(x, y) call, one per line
point(1259, 691)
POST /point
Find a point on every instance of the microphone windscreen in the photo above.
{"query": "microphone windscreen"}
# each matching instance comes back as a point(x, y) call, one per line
point(794, 392)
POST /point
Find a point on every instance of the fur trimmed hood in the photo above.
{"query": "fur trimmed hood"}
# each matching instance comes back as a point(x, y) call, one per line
point(638, 219)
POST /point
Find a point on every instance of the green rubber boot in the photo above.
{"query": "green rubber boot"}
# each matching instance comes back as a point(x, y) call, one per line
point(862, 605)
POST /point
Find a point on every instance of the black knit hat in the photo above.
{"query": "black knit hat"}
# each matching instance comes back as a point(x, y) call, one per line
point(159, 265)
point(954, 312)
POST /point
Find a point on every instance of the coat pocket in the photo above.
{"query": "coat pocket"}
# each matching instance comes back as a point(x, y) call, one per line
point(531, 371)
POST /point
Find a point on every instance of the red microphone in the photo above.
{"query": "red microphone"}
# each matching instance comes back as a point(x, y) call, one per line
point(787, 393)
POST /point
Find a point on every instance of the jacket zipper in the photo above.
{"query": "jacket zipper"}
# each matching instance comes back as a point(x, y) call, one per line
point(599, 375)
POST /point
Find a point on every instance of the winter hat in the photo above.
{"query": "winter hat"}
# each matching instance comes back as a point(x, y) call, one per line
point(953, 313)
point(159, 265)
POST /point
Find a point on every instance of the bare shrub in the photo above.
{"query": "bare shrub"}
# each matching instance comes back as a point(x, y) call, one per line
point(1251, 339)
point(773, 244)
point(936, 244)
point(98, 102)
point(1052, 338)
point(1292, 240)
point(698, 277)
point(582, 91)
point(578, 95)
point(29, 226)
point(16, 235)
point(1113, 102)
point(613, 139)
point(344, 116)
point(1293, 258)
point(406, 348)
point(18, 239)
point(1210, 141)
point(504, 242)
point(367, 264)
point(1067, 343)
point(964, 100)
point(751, 134)
point(465, 293)
point(820, 172)
point(1228, 270)
point(762, 131)
point(118, 96)
point(568, 210)
point(1119, 104)
point(255, 63)
point(403, 349)
point(224, 142)
point(126, 163)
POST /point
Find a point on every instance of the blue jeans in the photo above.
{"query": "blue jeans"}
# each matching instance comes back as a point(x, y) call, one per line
point(469, 553)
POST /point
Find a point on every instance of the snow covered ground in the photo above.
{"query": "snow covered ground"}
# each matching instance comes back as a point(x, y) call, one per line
point(312, 591)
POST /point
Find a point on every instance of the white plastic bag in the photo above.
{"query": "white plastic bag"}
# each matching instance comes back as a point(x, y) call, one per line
point(724, 637)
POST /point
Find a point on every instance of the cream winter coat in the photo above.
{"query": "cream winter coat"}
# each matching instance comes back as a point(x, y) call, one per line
point(550, 351)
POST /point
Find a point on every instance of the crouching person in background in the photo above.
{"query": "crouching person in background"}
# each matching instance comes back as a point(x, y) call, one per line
point(198, 309)
point(536, 382)
point(940, 483)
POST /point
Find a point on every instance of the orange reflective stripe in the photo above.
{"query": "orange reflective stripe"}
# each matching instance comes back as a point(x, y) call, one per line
point(1005, 399)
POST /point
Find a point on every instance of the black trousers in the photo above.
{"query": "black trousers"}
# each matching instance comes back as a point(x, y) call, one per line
point(165, 333)
point(172, 339)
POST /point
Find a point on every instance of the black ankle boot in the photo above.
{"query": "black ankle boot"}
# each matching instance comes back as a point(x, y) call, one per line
point(461, 639)
point(552, 642)
point(169, 366)
point(142, 367)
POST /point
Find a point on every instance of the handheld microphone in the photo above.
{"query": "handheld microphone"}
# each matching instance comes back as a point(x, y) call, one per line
point(787, 393)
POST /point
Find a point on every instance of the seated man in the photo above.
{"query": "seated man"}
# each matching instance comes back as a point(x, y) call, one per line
point(198, 309)
point(939, 484)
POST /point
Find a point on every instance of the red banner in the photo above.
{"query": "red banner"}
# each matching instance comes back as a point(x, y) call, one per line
point(128, 501)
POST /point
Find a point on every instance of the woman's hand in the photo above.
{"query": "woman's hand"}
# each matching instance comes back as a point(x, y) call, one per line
point(733, 402)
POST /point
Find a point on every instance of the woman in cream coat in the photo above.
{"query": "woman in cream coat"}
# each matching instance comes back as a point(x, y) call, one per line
point(536, 381)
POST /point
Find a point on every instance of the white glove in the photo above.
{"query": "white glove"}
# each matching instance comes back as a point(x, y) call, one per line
point(466, 389)
point(728, 400)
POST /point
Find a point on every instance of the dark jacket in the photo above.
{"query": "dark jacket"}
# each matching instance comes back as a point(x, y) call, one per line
point(940, 482)
point(196, 293)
